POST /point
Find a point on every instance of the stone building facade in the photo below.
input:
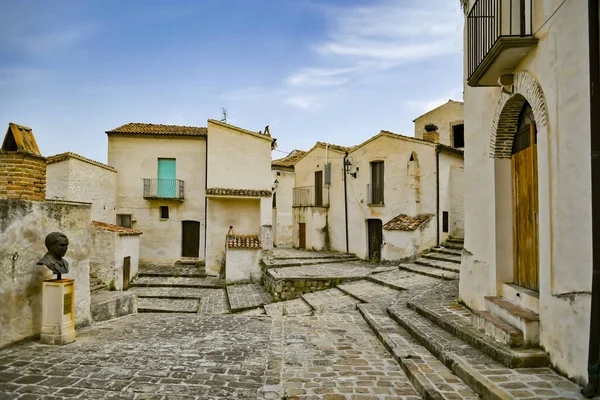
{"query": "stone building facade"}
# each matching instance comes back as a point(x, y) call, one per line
point(283, 190)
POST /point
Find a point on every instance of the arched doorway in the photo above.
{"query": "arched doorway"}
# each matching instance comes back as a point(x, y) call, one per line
point(524, 168)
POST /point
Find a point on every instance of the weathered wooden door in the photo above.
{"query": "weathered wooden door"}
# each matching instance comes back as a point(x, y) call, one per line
point(126, 272)
point(302, 235)
point(525, 203)
point(375, 235)
point(190, 241)
point(318, 188)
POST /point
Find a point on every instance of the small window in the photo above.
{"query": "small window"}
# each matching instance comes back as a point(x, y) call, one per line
point(164, 212)
point(458, 136)
point(274, 200)
point(124, 220)
point(445, 221)
point(278, 173)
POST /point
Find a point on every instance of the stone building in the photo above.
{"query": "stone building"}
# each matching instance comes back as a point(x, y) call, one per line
point(388, 198)
point(528, 215)
point(282, 171)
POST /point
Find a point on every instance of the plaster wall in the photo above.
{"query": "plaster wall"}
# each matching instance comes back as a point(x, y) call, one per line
point(283, 221)
point(23, 228)
point(238, 160)
point(443, 117)
point(560, 65)
point(102, 254)
point(136, 158)
point(457, 202)
point(75, 180)
point(317, 228)
point(244, 214)
point(448, 163)
point(406, 245)
point(242, 265)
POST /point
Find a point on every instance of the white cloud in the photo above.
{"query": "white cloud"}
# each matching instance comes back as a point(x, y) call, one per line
point(301, 102)
point(425, 105)
point(320, 77)
point(54, 40)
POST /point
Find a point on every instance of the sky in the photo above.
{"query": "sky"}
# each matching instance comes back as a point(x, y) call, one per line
point(337, 71)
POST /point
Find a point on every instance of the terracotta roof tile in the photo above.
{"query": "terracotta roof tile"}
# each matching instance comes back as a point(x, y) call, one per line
point(243, 242)
point(20, 138)
point(115, 228)
point(404, 222)
point(336, 146)
point(238, 192)
point(157, 129)
point(289, 160)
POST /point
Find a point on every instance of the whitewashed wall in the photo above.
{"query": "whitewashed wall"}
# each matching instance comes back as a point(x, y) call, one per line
point(283, 220)
point(443, 117)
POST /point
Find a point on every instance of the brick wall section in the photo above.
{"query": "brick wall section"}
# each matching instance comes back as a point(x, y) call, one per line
point(22, 176)
point(526, 89)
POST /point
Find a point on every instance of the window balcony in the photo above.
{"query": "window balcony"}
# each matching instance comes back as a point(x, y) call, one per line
point(163, 189)
point(375, 194)
point(311, 196)
point(499, 36)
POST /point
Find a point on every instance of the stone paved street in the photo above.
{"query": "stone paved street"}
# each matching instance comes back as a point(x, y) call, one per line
point(243, 297)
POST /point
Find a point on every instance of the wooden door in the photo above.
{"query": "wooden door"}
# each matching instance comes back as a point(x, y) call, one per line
point(190, 243)
point(302, 235)
point(126, 272)
point(375, 237)
point(318, 188)
point(525, 208)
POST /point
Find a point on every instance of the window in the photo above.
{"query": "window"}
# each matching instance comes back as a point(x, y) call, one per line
point(458, 135)
point(278, 173)
point(274, 200)
point(167, 173)
point(318, 188)
point(164, 212)
point(444, 221)
point(376, 190)
point(124, 220)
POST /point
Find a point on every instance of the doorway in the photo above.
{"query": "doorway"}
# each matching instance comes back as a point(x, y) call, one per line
point(190, 241)
point(302, 235)
point(126, 272)
point(375, 239)
point(524, 166)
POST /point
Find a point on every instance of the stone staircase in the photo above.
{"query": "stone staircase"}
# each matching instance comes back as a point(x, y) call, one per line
point(441, 262)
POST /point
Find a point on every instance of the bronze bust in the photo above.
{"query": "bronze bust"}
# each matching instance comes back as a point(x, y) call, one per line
point(57, 244)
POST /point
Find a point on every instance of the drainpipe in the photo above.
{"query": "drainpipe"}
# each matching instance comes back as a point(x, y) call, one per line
point(346, 201)
point(326, 151)
point(437, 193)
point(205, 188)
point(594, 341)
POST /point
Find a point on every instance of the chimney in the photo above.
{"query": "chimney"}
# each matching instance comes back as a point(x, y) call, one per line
point(22, 167)
point(431, 133)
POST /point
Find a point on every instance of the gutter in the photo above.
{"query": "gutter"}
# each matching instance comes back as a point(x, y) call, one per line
point(593, 385)
point(438, 150)
point(346, 201)
point(205, 198)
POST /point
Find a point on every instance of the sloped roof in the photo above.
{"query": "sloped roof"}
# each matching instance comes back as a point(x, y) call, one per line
point(450, 101)
point(404, 222)
point(394, 136)
point(67, 155)
point(289, 160)
point(115, 228)
point(264, 135)
point(142, 129)
point(336, 147)
point(20, 138)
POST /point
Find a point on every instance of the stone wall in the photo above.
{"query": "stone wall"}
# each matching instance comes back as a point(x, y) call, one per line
point(107, 253)
point(242, 265)
point(22, 176)
point(23, 229)
point(289, 289)
point(457, 202)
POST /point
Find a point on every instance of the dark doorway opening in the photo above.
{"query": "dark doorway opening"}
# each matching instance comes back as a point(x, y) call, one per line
point(302, 235)
point(375, 238)
point(190, 243)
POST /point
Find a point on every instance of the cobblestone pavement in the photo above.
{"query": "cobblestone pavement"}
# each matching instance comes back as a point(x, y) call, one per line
point(370, 292)
point(352, 269)
point(214, 301)
point(178, 281)
point(168, 305)
point(243, 297)
point(330, 300)
point(403, 280)
point(145, 356)
point(289, 253)
point(337, 357)
point(290, 307)
point(170, 270)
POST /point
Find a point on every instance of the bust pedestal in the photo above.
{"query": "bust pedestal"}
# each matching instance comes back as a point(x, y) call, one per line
point(58, 311)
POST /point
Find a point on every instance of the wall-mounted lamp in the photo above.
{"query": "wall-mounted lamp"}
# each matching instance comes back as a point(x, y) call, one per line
point(275, 184)
point(353, 174)
point(506, 82)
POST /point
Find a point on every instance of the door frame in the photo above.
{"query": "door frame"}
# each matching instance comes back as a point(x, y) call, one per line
point(370, 221)
point(183, 223)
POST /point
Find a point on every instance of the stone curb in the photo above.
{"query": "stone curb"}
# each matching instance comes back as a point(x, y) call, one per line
point(438, 256)
point(308, 261)
point(440, 275)
point(433, 263)
point(382, 283)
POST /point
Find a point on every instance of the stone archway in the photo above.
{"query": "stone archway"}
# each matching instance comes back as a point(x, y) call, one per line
point(504, 127)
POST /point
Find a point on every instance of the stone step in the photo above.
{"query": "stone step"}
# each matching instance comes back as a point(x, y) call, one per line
point(288, 307)
point(429, 271)
point(170, 281)
point(97, 287)
point(307, 255)
point(296, 262)
point(526, 321)
point(463, 329)
point(247, 297)
point(156, 305)
point(442, 265)
point(453, 245)
point(431, 378)
point(402, 280)
point(433, 255)
point(171, 271)
point(193, 262)
point(170, 292)
point(330, 300)
point(455, 240)
point(498, 329)
point(107, 305)
point(370, 292)
point(449, 251)
point(487, 377)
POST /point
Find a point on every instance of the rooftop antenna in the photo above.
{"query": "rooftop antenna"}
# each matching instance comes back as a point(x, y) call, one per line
point(224, 111)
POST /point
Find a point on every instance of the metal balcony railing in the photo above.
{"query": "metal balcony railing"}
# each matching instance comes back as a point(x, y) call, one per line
point(163, 189)
point(311, 196)
point(489, 21)
point(375, 194)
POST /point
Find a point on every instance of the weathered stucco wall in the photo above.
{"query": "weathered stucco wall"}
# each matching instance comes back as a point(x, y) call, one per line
point(137, 158)
point(448, 163)
point(559, 64)
point(242, 265)
point(457, 202)
point(23, 229)
point(407, 245)
point(317, 229)
point(107, 253)
point(283, 219)
point(128, 246)
point(75, 180)
point(241, 213)
point(443, 117)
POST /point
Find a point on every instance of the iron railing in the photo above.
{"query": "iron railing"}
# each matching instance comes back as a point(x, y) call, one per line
point(490, 20)
point(163, 189)
point(375, 194)
point(311, 196)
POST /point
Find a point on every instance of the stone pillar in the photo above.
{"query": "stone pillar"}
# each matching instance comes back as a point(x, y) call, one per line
point(58, 311)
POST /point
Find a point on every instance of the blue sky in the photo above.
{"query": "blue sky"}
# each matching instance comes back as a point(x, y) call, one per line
point(329, 70)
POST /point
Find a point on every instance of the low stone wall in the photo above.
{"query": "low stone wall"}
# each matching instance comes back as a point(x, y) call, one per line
point(292, 288)
point(110, 305)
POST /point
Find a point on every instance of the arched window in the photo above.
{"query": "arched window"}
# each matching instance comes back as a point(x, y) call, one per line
point(526, 124)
